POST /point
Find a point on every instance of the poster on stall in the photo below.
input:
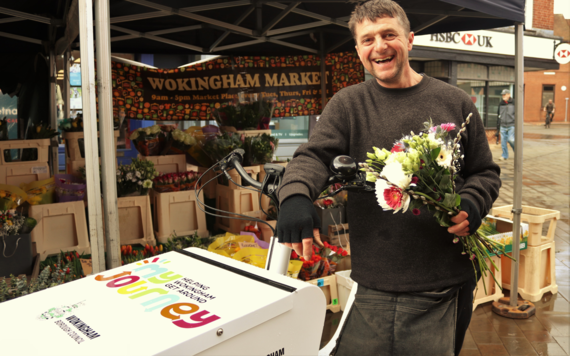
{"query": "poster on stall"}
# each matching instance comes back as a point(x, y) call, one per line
point(291, 83)
point(9, 110)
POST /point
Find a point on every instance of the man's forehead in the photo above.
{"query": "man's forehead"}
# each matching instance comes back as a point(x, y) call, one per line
point(384, 23)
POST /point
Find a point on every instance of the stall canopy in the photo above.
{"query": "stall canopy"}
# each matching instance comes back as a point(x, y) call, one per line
point(242, 27)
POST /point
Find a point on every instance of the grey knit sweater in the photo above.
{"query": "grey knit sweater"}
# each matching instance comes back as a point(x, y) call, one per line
point(396, 252)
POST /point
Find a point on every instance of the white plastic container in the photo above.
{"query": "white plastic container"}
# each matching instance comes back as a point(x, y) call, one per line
point(344, 285)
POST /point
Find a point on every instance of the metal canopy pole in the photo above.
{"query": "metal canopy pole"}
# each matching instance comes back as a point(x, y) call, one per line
point(517, 194)
point(108, 150)
point(90, 131)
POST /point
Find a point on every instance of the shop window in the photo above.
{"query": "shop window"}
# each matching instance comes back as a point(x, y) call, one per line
point(290, 127)
point(495, 97)
point(502, 73)
point(547, 94)
point(477, 92)
point(471, 71)
point(437, 69)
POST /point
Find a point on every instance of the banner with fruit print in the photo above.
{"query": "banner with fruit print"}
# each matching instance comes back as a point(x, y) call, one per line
point(192, 92)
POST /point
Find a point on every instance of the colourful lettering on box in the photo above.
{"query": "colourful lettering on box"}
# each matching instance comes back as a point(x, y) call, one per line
point(135, 287)
point(320, 282)
point(334, 301)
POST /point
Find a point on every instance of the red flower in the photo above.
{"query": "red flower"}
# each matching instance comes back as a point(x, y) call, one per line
point(398, 147)
point(415, 180)
point(344, 253)
point(393, 197)
point(416, 211)
point(294, 255)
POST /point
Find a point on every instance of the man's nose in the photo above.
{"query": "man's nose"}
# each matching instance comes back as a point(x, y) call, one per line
point(379, 44)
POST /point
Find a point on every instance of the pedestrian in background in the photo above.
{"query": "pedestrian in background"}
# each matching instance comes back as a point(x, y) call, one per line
point(550, 108)
point(506, 116)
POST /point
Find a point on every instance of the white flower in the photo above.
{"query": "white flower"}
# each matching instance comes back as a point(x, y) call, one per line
point(147, 131)
point(147, 184)
point(138, 174)
point(129, 176)
point(394, 173)
point(134, 135)
point(139, 182)
point(444, 158)
point(154, 129)
point(189, 140)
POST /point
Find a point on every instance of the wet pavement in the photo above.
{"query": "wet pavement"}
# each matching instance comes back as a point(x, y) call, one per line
point(546, 184)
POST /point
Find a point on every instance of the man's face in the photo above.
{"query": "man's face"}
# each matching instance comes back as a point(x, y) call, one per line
point(383, 48)
point(550, 101)
point(506, 97)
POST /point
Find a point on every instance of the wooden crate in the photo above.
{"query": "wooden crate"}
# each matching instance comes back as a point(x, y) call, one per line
point(178, 212)
point(537, 272)
point(235, 201)
point(494, 293)
point(210, 188)
point(61, 227)
point(72, 151)
point(167, 164)
point(535, 217)
point(253, 172)
point(135, 221)
point(329, 287)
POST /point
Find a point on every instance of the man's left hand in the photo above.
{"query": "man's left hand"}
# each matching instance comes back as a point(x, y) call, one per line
point(467, 221)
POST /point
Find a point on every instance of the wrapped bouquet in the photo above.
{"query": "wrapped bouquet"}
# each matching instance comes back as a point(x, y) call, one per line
point(174, 182)
point(178, 142)
point(420, 170)
point(135, 178)
point(149, 141)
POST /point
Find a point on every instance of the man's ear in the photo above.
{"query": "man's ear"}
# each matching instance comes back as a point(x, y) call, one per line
point(410, 40)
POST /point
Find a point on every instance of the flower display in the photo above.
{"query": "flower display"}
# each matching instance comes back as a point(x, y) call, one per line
point(254, 115)
point(323, 261)
point(178, 142)
point(135, 178)
point(149, 141)
point(420, 171)
point(13, 223)
point(174, 182)
point(259, 149)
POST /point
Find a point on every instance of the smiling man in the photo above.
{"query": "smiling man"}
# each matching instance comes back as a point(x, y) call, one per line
point(415, 288)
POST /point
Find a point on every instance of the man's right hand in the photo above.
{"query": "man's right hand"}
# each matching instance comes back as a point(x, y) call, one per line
point(297, 225)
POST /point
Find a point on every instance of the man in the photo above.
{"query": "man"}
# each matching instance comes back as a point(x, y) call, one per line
point(415, 288)
point(506, 117)
point(550, 108)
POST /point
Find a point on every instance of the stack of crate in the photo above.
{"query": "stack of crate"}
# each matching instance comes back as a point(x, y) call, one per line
point(537, 274)
point(16, 172)
point(235, 199)
point(73, 157)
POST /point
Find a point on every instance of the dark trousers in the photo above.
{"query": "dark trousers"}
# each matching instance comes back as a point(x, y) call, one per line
point(426, 323)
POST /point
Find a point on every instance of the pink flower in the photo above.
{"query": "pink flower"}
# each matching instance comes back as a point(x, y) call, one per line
point(393, 197)
point(415, 180)
point(416, 211)
point(398, 147)
point(448, 127)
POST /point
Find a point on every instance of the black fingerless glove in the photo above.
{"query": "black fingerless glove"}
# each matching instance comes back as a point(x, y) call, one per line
point(472, 214)
point(297, 219)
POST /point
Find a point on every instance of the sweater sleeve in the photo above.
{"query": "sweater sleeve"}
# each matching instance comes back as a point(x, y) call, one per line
point(308, 171)
point(480, 173)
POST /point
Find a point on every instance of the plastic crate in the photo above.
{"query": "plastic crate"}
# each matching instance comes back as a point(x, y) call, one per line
point(178, 212)
point(493, 293)
point(61, 227)
point(329, 287)
point(41, 145)
point(344, 285)
point(537, 272)
point(72, 150)
point(167, 164)
point(535, 217)
point(18, 172)
point(135, 221)
point(235, 201)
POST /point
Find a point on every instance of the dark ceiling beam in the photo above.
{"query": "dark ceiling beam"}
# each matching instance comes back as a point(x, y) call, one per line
point(158, 39)
point(293, 34)
point(238, 45)
point(11, 19)
point(338, 44)
point(193, 16)
point(309, 14)
point(279, 17)
point(287, 44)
point(20, 38)
point(25, 15)
point(240, 19)
point(450, 13)
point(431, 22)
point(155, 14)
point(297, 28)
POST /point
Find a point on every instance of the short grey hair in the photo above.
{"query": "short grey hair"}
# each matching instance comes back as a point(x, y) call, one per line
point(375, 9)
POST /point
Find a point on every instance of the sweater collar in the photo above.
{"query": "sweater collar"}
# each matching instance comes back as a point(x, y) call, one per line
point(402, 91)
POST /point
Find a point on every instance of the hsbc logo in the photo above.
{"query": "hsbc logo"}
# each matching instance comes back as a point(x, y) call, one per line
point(563, 53)
point(465, 38)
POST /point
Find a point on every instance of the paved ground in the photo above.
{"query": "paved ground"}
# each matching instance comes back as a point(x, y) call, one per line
point(546, 184)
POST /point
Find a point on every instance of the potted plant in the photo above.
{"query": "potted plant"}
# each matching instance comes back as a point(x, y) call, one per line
point(135, 178)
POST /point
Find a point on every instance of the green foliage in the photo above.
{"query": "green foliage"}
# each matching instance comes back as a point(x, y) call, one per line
point(181, 242)
point(221, 145)
point(244, 116)
point(259, 149)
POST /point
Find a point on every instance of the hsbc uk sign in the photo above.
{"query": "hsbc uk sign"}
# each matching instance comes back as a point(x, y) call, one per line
point(465, 38)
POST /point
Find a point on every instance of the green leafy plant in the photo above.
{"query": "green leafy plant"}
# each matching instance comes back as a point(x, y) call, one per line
point(259, 149)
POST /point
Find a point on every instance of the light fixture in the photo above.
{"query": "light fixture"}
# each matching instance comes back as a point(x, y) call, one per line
point(549, 73)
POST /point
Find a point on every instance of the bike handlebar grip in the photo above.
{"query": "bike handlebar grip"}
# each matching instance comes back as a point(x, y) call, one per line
point(235, 162)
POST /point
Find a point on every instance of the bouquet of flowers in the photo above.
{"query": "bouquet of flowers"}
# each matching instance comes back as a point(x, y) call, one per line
point(149, 141)
point(12, 223)
point(178, 142)
point(253, 115)
point(420, 171)
point(11, 197)
point(259, 149)
point(135, 178)
point(174, 182)
point(219, 146)
point(333, 254)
